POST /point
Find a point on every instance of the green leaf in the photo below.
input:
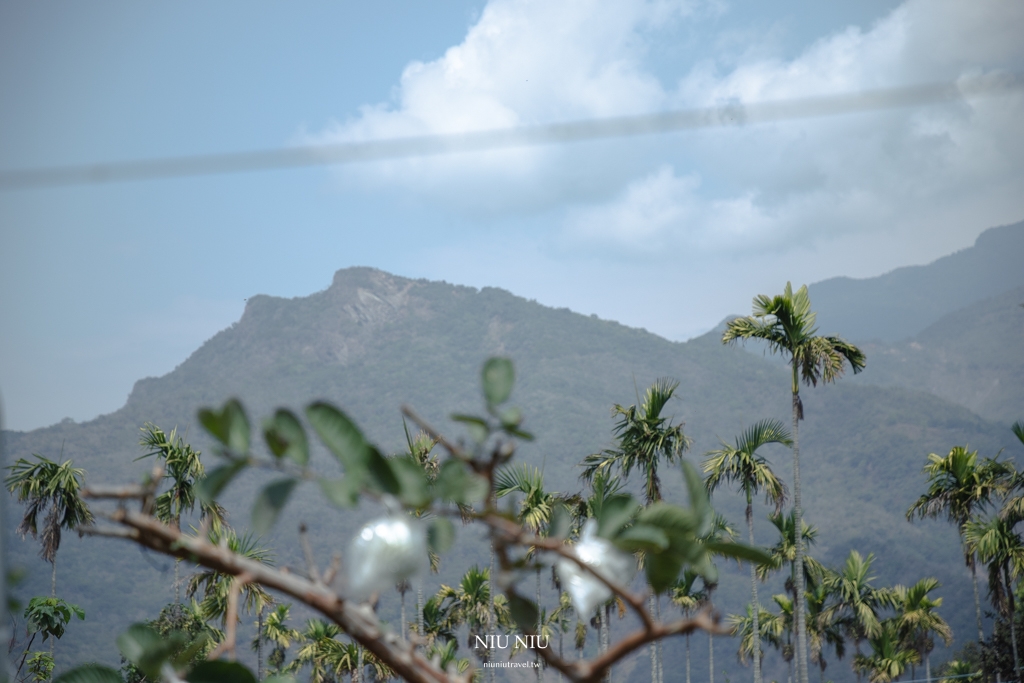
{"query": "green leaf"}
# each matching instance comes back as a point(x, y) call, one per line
point(498, 376)
point(477, 427)
point(286, 438)
point(220, 671)
point(341, 436)
point(561, 522)
point(510, 417)
point(147, 649)
point(229, 425)
point(209, 487)
point(706, 568)
point(642, 537)
point(137, 641)
point(343, 493)
point(524, 612)
point(456, 483)
point(739, 551)
point(519, 433)
point(382, 477)
point(699, 503)
point(183, 658)
point(616, 512)
point(440, 535)
point(662, 570)
point(414, 490)
point(269, 503)
point(90, 673)
point(672, 519)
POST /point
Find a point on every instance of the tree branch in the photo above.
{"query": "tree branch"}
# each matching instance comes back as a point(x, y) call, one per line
point(356, 620)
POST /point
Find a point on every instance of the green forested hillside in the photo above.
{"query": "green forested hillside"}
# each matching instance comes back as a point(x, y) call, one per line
point(373, 341)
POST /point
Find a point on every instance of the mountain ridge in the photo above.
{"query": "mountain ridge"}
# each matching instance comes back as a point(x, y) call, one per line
point(926, 292)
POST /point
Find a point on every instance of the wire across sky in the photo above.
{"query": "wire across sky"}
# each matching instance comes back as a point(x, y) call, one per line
point(729, 115)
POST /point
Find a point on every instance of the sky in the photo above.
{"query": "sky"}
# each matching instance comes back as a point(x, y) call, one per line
point(102, 285)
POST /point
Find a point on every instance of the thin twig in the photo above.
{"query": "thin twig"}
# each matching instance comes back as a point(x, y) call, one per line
point(109, 532)
point(133, 491)
point(231, 628)
point(307, 552)
point(332, 570)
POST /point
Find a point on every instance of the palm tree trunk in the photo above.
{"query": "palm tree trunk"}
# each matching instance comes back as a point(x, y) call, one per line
point(856, 649)
point(403, 615)
point(661, 659)
point(259, 640)
point(1013, 618)
point(540, 627)
point(798, 607)
point(359, 663)
point(53, 594)
point(753, 587)
point(652, 646)
point(687, 658)
point(977, 600)
point(177, 581)
point(419, 611)
point(711, 658)
point(606, 637)
point(927, 668)
point(491, 621)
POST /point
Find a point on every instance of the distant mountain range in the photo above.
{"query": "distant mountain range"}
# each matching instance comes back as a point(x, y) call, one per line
point(945, 368)
point(898, 305)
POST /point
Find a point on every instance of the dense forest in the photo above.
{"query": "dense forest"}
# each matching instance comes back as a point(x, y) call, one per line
point(929, 399)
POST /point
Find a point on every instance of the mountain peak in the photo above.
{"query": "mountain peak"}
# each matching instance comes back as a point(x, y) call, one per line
point(368, 295)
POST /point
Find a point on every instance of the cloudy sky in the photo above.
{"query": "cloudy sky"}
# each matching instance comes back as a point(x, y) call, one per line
point(102, 285)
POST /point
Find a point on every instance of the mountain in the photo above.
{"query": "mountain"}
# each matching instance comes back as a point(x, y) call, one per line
point(972, 357)
point(373, 341)
point(902, 303)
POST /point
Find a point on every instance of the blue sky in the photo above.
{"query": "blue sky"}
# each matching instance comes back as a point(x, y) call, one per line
point(103, 285)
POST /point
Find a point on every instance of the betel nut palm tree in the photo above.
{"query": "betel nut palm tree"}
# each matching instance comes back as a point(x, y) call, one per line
point(741, 464)
point(216, 587)
point(856, 602)
point(890, 656)
point(183, 468)
point(645, 437)
point(787, 324)
point(51, 491)
point(918, 622)
point(996, 545)
point(958, 487)
point(535, 509)
point(276, 631)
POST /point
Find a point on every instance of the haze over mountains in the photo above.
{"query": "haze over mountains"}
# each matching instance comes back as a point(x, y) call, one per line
point(943, 345)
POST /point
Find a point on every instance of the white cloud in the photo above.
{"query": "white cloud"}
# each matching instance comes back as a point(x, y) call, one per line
point(780, 184)
point(910, 171)
point(524, 62)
